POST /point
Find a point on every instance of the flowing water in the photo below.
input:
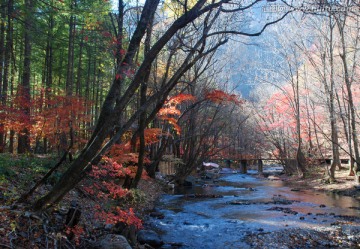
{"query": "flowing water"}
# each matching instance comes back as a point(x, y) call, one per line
point(248, 204)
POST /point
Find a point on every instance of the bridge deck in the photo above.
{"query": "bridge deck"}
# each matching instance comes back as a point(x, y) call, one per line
point(284, 159)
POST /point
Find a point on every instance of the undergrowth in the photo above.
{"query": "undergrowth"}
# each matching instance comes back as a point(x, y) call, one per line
point(19, 172)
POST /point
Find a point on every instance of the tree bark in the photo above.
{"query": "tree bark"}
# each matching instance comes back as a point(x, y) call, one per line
point(113, 106)
point(24, 140)
point(71, 43)
point(6, 65)
point(2, 94)
point(142, 119)
point(105, 122)
point(300, 157)
point(331, 98)
point(79, 71)
point(348, 83)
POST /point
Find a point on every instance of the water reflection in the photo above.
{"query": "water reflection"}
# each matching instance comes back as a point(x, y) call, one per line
point(214, 222)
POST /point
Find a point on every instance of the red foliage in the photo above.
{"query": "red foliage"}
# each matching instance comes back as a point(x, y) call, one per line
point(106, 186)
point(117, 215)
point(75, 232)
point(121, 153)
point(48, 114)
point(17, 116)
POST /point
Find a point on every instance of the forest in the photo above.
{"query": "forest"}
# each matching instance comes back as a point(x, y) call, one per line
point(96, 94)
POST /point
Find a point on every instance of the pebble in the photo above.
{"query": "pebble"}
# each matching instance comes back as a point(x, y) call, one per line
point(304, 238)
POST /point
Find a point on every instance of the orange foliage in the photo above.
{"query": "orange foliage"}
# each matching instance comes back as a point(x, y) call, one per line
point(219, 96)
point(180, 98)
point(170, 111)
point(152, 135)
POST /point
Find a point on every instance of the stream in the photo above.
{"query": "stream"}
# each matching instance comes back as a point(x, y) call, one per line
point(222, 213)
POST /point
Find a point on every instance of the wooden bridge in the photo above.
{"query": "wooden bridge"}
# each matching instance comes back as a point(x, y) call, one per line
point(245, 162)
point(169, 168)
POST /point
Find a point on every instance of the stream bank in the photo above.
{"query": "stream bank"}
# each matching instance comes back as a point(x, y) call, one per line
point(245, 211)
point(344, 184)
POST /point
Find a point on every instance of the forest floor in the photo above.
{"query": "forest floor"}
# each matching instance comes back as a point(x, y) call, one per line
point(20, 227)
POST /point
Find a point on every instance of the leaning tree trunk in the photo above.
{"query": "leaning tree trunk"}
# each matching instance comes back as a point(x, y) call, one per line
point(113, 106)
point(142, 119)
point(106, 119)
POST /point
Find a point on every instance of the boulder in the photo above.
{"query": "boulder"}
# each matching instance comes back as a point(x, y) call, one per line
point(129, 232)
point(157, 215)
point(112, 241)
point(149, 237)
point(282, 201)
point(187, 183)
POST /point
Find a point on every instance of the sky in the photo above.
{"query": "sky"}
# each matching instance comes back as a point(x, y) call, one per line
point(246, 65)
point(114, 4)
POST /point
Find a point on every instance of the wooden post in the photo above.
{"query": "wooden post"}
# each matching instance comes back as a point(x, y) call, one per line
point(357, 177)
point(260, 166)
point(243, 167)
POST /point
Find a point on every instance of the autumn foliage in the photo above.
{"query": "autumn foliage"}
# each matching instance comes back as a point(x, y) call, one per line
point(219, 96)
point(51, 115)
point(171, 112)
point(106, 185)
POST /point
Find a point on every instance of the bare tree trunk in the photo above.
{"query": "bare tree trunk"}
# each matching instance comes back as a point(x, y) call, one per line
point(113, 105)
point(6, 64)
point(23, 140)
point(142, 119)
point(157, 158)
point(79, 71)
point(70, 62)
point(2, 94)
point(12, 85)
point(105, 123)
point(348, 83)
point(300, 157)
point(333, 119)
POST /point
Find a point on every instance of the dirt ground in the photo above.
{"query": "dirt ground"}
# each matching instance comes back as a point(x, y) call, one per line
point(316, 180)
